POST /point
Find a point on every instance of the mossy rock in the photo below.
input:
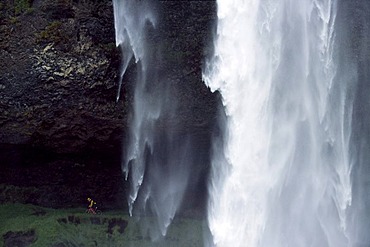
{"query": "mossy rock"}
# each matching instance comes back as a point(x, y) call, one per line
point(52, 33)
point(22, 6)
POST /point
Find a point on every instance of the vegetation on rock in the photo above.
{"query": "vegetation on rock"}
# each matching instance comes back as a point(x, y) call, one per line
point(53, 33)
point(36, 226)
point(22, 6)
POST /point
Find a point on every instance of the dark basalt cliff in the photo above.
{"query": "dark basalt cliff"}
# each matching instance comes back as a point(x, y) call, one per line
point(61, 129)
point(58, 76)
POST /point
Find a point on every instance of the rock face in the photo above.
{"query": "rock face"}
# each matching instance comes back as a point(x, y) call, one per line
point(61, 129)
point(58, 76)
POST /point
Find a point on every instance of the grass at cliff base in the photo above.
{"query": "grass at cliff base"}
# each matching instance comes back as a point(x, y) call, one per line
point(74, 227)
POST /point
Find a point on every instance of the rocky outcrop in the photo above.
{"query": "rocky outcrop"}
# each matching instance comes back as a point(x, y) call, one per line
point(59, 75)
point(58, 81)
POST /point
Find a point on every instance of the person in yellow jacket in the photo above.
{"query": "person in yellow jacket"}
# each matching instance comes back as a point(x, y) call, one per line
point(92, 203)
point(91, 208)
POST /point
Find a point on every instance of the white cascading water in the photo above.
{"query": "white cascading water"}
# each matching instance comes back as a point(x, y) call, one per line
point(156, 155)
point(282, 178)
point(130, 20)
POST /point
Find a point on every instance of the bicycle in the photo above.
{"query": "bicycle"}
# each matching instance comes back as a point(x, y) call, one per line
point(93, 211)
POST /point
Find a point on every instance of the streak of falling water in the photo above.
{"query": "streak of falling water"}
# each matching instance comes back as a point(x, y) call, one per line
point(283, 176)
point(131, 20)
point(157, 152)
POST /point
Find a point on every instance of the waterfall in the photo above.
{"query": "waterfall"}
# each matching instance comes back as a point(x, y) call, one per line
point(130, 20)
point(157, 153)
point(282, 177)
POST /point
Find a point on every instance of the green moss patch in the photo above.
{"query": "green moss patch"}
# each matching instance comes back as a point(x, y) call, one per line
point(54, 32)
point(21, 6)
point(74, 227)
